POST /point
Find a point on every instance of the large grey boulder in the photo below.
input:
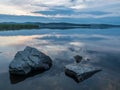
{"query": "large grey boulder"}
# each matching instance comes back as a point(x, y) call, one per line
point(80, 72)
point(28, 60)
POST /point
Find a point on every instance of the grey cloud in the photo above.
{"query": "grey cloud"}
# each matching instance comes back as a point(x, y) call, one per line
point(64, 8)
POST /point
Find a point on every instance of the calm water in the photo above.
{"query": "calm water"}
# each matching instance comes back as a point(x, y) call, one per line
point(101, 46)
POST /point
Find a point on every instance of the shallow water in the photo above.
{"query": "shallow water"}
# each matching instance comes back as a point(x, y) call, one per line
point(101, 46)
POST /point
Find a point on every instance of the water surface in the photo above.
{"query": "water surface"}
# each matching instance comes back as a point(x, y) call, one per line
point(101, 46)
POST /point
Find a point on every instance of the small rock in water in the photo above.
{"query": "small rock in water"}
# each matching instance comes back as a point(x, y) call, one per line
point(28, 60)
point(80, 72)
point(78, 58)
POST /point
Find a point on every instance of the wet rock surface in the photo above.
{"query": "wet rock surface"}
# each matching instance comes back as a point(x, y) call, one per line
point(78, 58)
point(29, 60)
point(80, 72)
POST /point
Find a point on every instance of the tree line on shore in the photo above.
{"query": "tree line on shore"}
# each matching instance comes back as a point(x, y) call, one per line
point(5, 26)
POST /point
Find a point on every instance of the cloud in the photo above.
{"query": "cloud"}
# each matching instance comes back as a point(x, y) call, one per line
point(61, 8)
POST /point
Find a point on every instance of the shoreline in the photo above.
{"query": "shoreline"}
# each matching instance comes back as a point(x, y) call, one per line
point(21, 26)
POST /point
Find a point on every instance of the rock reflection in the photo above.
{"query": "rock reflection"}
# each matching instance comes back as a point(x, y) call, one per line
point(14, 79)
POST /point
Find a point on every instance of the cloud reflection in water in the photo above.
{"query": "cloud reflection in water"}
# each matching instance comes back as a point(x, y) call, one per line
point(102, 47)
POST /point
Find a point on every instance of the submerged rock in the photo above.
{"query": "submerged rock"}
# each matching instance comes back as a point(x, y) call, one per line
point(78, 58)
point(80, 72)
point(28, 60)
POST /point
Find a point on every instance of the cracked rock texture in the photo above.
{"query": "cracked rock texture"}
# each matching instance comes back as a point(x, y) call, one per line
point(80, 72)
point(28, 60)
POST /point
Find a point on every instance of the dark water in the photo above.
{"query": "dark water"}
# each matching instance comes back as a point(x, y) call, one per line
point(101, 46)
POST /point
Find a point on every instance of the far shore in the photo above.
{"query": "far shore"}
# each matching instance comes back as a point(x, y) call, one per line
point(30, 25)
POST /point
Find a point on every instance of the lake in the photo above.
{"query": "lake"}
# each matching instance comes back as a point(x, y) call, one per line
point(101, 46)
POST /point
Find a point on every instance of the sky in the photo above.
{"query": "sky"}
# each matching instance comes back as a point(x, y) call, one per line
point(60, 10)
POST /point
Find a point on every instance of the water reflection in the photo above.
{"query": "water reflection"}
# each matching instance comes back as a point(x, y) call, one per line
point(102, 47)
point(13, 40)
point(18, 78)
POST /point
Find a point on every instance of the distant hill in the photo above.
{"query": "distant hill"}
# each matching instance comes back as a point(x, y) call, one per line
point(72, 25)
point(62, 25)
